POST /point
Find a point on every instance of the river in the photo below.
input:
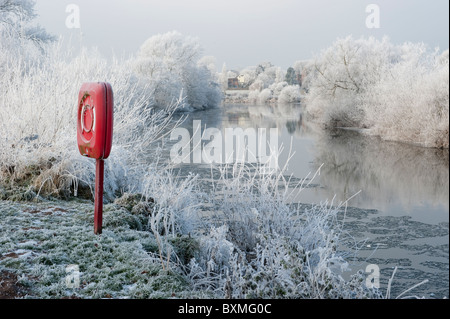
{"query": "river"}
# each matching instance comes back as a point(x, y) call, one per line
point(399, 194)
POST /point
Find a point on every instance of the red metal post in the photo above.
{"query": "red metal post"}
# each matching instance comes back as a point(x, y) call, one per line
point(98, 213)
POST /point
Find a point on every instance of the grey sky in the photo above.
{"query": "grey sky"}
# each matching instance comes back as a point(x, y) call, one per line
point(245, 32)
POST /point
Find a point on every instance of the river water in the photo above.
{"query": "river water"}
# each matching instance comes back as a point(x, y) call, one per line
point(400, 214)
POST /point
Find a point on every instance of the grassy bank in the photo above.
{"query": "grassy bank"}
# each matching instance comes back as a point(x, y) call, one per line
point(250, 245)
point(39, 240)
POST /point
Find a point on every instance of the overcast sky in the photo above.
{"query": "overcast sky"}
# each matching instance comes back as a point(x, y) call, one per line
point(241, 33)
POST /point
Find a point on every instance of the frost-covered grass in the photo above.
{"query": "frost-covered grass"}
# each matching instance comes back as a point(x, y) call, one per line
point(39, 240)
point(399, 92)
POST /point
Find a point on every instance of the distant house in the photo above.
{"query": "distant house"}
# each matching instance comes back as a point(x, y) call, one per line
point(233, 83)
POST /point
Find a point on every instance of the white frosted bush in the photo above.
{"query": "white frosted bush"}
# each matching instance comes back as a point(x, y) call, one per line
point(257, 85)
point(277, 87)
point(266, 248)
point(411, 104)
point(289, 94)
point(264, 96)
point(341, 74)
point(279, 92)
point(400, 92)
point(253, 96)
point(172, 63)
point(16, 22)
point(261, 76)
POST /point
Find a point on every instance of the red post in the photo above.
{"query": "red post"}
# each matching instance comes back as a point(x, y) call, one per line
point(95, 134)
point(98, 213)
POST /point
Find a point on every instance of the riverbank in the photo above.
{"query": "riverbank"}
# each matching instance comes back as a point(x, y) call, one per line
point(402, 186)
point(275, 94)
point(260, 247)
point(40, 242)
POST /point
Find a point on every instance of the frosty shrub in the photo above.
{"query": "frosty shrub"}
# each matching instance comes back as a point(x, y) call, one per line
point(279, 92)
point(289, 94)
point(400, 92)
point(176, 212)
point(262, 76)
point(172, 63)
point(342, 74)
point(253, 96)
point(411, 103)
point(267, 84)
point(264, 96)
point(264, 247)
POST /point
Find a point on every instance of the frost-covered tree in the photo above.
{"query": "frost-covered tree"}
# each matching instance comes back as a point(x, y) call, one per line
point(399, 92)
point(342, 74)
point(262, 76)
point(174, 64)
point(289, 94)
point(210, 63)
point(410, 103)
point(301, 66)
point(16, 18)
point(249, 74)
point(19, 8)
point(280, 75)
point(291, 76)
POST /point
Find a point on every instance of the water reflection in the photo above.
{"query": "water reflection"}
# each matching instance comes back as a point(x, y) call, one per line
point(288, 117)
point(393, 177)
point(387, 173)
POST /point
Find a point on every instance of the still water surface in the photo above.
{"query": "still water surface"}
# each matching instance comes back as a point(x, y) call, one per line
point(401, 209)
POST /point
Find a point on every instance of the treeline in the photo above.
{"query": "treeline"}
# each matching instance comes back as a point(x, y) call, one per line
point(398, 92)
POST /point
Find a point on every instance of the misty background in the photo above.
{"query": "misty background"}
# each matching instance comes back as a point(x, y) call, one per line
point(242, 33)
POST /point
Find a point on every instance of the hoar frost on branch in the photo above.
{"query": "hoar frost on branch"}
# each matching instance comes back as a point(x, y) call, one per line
point(16, 18)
